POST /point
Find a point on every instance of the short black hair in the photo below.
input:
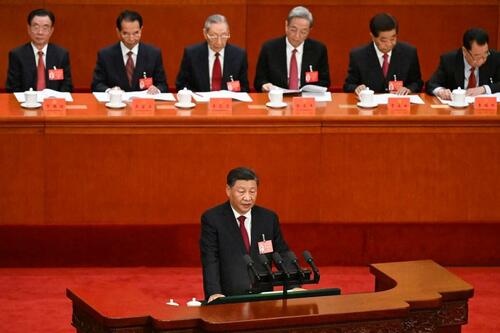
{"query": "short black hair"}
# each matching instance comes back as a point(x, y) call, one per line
point(129, 16)
point(383, 22)
point(241, 173)
point(478, 35)
point(41, 12)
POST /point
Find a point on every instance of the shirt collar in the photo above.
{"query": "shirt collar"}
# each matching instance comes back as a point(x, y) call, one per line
point(211, 53)
point(467, 66)
point(44, 49)
point(135, 49)
point(379, 53)
point(290, 47)
point(248, 214)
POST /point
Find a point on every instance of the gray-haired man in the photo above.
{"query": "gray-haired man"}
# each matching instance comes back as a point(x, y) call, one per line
point(214, 64)
point(293, 60)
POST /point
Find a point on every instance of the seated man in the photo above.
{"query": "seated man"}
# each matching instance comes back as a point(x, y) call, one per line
point(214, 64)
point(473, 67)
point(130, 64)
point(39, 64)
point(233, 229)
point(376, 64)
point(293, 60)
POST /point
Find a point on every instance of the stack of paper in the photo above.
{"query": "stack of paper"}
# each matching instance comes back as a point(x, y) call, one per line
point(127, 96)
point(205, 96)
point(46, 93)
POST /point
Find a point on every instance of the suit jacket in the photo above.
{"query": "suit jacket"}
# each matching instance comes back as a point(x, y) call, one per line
point(110, 69)
point(22, 70)
point(222, 248)
point(193, 73)
point(450, 73)
point(272, 68)
point(364, 68)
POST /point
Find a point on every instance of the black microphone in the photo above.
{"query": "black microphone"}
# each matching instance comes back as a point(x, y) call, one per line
point(280, 264)
point(267, 265)
point(310, 261)
point(250, 263)
point(293, 258)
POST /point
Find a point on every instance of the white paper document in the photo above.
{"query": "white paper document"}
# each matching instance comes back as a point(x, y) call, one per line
point(45, 93)
point(319, 97)
point(127, 96)
point(307, 88)
point(205, 96)
point(384, 98)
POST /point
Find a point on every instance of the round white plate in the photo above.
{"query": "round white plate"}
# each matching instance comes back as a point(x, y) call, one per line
point(276, 105)
point(185, 106)
point(367, 106)
point(458, 106)
point(31, 105)
point(115, 106)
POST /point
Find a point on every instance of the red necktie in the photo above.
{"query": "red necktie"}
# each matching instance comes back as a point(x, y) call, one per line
point(472, 79)
point(293, 81)
point(216, 74)
point(130, 67)
point(40, 74)
point(244, 233)
point(385, 64)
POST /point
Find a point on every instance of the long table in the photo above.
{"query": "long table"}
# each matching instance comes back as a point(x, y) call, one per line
point(98, 166)
point(414, 296)
point(365, 188)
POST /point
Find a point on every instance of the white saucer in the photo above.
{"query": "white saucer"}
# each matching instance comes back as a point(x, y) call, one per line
point(367, 106)
point(31, 105)
point(276, 105)
point(458, 106)
point(185, 106)
point(115, 106)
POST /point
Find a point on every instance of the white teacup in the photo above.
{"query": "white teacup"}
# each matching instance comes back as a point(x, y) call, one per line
point(458, 96)
point(30, 96)
point(366, 96)
point(184, 96)
point(276, 96)
point(115, 96)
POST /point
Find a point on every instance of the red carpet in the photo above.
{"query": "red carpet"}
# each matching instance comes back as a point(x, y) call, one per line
point(33, 300)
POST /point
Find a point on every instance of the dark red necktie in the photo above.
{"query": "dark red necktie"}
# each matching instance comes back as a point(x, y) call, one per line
point(244, 233)
point(385, 64)
point(472, 79)
point(40, 74)
point(293, 81)
point(216, 74)
point(130, 67)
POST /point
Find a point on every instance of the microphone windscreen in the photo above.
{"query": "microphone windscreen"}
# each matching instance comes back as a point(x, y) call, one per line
point(248, 260)
point(307, 256)
point(277, 258)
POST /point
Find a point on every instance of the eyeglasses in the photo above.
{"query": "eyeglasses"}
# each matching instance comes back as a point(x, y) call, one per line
point(478, 57)
point(294, 30)
point(216, 37)
point(41, 28)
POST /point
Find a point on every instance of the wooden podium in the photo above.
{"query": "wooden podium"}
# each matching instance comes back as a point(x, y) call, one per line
point(413, 296)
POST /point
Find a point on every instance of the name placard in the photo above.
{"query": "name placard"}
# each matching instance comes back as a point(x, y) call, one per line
point(485, 106)
point(303, 106)
point(398, 106)
point(54, 107)
point(142, 107)
point(220, 106)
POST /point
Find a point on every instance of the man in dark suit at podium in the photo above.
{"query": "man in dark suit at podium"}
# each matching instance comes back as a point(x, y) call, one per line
point(385, 64)
point(214, 65)
point(473, 67)
point(293, 60)
point(130, 64)
point(39, 64)
point(233, 229)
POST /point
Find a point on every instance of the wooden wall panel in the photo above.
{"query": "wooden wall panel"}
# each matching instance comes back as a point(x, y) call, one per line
point(83, 27)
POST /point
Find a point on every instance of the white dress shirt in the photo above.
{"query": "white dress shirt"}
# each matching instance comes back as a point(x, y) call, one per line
point(125, 50)
point(44, 50)
point(211, 60)
point(298, 57)
point(248, 222)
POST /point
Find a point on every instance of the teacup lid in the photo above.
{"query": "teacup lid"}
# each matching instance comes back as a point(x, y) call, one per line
point(184, 91)
point(459, 90)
